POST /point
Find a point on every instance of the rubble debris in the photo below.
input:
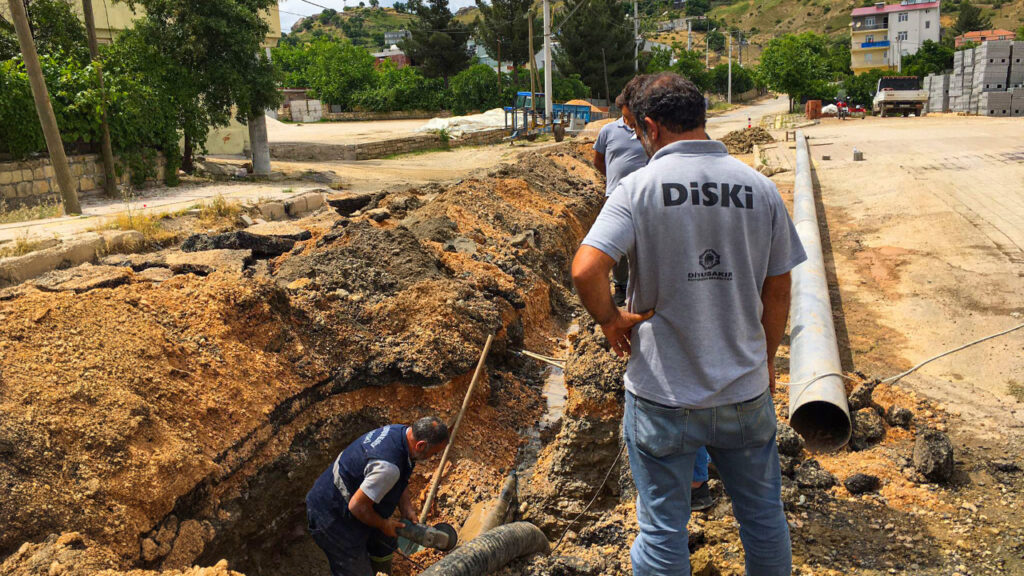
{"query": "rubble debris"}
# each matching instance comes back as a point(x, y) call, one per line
point(862, 483)
point(208, 261)
point(790, 443)
point(898, 417)
point(285, 230)
point(868, 428)
point(83, 278)
point(1003, 465)
point(742, 141)
point(861, 396)
point(810, 474)
point(933, 455)
point(262, 246)
point(346, 205)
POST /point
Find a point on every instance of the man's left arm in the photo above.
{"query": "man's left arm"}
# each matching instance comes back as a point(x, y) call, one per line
point(406, 508)
point(775, 298)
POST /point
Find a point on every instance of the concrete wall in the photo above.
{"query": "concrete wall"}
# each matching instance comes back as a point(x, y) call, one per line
point(397, 115)
point(32, 182)
point(368, 150)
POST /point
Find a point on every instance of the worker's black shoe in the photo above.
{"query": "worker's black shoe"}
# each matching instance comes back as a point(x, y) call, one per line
point(700, 498)
point(619, 296)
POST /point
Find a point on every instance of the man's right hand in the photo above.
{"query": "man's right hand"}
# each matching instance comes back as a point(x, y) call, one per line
point(391, 526)
point(618, 330)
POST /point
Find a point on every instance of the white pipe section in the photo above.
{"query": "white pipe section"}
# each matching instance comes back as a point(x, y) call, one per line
point(818, 410)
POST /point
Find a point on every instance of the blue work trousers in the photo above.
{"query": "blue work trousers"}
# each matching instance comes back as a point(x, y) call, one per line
point(663, 444)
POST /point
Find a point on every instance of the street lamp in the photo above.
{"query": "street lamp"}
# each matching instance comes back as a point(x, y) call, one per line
point(707, 48)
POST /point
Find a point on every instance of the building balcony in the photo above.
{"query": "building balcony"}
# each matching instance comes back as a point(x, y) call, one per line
point(870, 45)
point(861, 27)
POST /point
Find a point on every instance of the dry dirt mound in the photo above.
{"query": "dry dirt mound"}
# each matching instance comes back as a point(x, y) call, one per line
point(742, 141)
point(177, 419)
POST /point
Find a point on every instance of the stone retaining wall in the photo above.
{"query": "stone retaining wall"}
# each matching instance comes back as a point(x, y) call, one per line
point(396, 115)
point(32, 182)
point(311, 151)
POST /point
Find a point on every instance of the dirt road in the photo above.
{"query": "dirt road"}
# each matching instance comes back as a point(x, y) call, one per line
point(927, 238)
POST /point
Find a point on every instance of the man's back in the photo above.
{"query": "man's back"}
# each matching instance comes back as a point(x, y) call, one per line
point(702, 231)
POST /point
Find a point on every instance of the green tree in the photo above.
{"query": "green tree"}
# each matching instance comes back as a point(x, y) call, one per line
point(860, 89)
point(211, 58)
point(691, 66)
point(336, 70)
point(697, 7)
point(475, 89)
point(715, 41)
point(597, 34)
point(970, 19)
point(798, 65)
point(930, 58)
point(742, 79)
point(506, 22)
point(393, 88)
point(437, 45)
point(565, 88)
point(56, 30)
point(660, 60)
point(1020, 34)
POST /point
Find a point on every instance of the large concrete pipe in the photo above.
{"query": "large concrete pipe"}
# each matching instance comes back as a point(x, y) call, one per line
point(817, 401)
point(491, 551)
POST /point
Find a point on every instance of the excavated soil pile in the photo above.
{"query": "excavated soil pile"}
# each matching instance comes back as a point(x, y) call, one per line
point(171, 419)
point(742, 141)
point(891, 503)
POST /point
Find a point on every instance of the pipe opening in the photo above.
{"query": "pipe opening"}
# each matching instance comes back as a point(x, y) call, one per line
point(824, 426)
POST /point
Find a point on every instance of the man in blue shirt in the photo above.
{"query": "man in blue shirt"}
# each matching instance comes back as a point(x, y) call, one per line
point(617, 154)
point(350, 506)
point(710, 247)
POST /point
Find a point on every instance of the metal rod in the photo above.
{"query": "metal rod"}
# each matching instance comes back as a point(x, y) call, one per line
point(455, 430)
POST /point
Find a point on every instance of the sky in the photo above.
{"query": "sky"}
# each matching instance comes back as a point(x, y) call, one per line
point(292, 10)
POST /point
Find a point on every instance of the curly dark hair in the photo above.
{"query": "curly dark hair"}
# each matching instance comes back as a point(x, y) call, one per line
point(634, 84)
point(670, 100)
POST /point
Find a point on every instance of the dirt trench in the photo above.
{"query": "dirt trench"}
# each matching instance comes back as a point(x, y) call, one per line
point(163, 424)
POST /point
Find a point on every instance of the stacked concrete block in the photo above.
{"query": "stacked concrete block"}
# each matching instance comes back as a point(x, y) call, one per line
point(938, 86)
point(1017, 103)
point(994, 104)
point(992, 66)
point(1017, 65)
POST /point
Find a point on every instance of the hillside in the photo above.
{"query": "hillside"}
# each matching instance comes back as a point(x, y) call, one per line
point(363, 26)
point(765, 19)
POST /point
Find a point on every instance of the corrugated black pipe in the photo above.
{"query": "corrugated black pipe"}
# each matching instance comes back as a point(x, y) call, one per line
point(491, 551)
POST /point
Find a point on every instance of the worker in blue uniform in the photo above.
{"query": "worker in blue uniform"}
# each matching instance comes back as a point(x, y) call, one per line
point(350, 506)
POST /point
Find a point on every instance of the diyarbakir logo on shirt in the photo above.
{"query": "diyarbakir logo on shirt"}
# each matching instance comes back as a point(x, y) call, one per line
point(709, 260)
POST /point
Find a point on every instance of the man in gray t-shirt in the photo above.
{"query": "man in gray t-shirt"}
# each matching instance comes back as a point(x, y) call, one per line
point(617, 154)
point(710, 247)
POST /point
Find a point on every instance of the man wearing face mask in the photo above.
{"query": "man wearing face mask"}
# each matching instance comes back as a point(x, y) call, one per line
point(617, 154)
point(350, 506)
point(710, 248)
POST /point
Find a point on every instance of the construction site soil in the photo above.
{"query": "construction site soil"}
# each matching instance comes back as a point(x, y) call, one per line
point(171, 423)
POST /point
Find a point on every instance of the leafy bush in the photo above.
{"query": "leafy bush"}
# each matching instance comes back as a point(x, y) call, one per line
point(742, 79)
point(476, 89)
point(394, 88)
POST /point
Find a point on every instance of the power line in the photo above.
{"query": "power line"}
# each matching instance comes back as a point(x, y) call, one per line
point(317, 5)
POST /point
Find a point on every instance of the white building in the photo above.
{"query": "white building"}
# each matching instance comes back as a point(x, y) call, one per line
point(882, 34)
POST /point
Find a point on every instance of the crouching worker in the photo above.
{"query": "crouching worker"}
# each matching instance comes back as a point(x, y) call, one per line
point(350, 506)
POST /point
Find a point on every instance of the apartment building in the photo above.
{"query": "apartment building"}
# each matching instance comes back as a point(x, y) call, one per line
point(882, 34)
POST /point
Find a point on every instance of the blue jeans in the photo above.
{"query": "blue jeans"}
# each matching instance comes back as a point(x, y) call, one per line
point(663, 444)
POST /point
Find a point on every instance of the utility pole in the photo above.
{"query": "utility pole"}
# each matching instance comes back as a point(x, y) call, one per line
point(730, 67)
point(607, 93)
point(548, 108)
point(109, 178)
point(707, 49)
point(689, 34)
point(533, 64)
point(741, 47)
point(499, 67)
point(54, 145)
point(636, 41)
